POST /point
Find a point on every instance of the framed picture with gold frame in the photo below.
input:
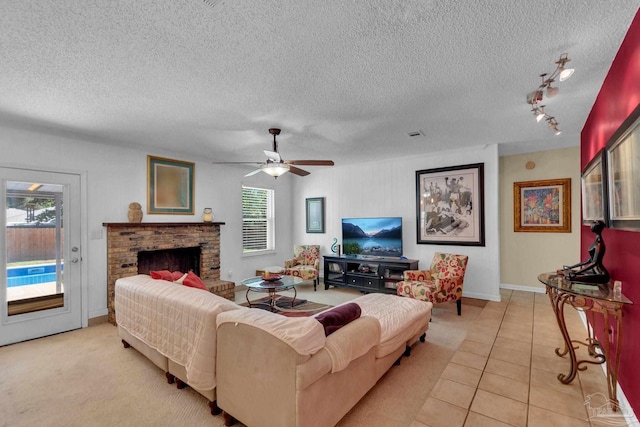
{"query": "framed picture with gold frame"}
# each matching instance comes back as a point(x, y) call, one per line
point(542, 206)
point(169, 186)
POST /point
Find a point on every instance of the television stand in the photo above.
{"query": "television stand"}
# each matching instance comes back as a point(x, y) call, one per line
point(369, 274)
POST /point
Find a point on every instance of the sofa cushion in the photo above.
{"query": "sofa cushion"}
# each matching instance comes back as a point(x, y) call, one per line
point(337, 317)
point(400, 318)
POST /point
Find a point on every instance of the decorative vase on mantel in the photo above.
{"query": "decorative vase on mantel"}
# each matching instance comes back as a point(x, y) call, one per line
point(207, 215)
point(135, 212)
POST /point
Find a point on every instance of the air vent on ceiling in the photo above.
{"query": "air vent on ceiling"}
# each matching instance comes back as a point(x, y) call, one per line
point(211, 3)
point(415, 133)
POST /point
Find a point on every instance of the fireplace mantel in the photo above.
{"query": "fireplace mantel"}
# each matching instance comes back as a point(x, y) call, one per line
point(125, 240)
point(157, 224)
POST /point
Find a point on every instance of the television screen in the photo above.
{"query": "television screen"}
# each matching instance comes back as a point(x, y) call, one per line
point(372, 236)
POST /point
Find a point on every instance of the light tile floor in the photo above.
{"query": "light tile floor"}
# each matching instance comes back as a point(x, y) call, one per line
point(505, 372)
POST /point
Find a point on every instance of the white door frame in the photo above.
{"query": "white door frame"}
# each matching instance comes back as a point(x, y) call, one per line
point(83, 203)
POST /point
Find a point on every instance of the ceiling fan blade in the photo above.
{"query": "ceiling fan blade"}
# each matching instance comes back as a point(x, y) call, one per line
point(237, 163)
point(310, 162)
point(272, 155)
point(298, 171)
point(255, 172)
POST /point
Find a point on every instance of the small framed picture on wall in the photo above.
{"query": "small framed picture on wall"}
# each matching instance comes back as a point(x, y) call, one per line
point(315, 214)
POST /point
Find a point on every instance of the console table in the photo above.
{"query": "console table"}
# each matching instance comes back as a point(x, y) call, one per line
point(367, 274)
point(590, 299)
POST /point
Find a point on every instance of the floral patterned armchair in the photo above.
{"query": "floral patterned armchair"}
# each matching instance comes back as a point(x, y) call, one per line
point(305, 264)
point(442, 282)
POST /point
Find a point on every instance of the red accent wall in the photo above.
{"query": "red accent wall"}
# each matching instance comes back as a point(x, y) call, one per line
point(618, 97)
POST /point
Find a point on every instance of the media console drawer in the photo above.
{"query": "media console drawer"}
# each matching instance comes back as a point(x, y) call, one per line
point(363, 282)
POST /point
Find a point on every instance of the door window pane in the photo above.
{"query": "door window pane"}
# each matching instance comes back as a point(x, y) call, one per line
point(34, 246)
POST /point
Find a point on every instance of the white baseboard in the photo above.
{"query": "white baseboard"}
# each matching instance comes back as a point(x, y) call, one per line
point(98, 313)
point(522, 288)
point(625, 406)
point(478, 295)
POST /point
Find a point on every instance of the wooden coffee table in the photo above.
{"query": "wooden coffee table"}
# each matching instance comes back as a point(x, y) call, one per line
point(284, 283)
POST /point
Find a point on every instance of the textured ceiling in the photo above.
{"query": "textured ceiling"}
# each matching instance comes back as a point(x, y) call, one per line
point(345, 80)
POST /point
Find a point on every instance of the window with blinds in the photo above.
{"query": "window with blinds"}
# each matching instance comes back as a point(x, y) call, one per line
point(257, 219)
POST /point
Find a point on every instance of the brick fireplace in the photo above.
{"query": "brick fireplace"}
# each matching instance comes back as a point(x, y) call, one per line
point(126, 240)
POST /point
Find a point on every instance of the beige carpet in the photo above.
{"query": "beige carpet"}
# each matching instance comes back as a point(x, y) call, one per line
point(86, 378)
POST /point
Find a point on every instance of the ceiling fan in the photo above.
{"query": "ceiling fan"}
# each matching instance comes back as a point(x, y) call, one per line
point(276, 166)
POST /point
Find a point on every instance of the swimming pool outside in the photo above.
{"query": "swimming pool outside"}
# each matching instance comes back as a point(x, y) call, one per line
point(31, 274)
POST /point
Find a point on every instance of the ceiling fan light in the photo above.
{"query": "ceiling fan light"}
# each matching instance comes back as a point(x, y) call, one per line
point(275, 169)
point(566, 73)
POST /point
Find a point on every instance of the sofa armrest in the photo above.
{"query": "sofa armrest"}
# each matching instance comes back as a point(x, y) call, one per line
point(289, 263)
point(352, 341)
point(450, 285)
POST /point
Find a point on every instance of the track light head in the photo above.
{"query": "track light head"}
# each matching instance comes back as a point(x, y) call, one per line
point(564, 72)
point(534, 97)
point(552, 91)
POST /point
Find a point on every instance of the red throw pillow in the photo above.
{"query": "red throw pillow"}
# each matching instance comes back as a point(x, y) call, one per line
point(336, 318)
point(176, 275)
point(193, 281)
point(162, 274)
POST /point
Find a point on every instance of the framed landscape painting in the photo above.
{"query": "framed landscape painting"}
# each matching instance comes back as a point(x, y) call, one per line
point(542, 206)
point(623, 169)
point(594, 190)
point(169, 186)
point(450, 205)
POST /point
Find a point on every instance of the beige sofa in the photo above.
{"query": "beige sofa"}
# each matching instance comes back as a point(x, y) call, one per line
point(278, 371)
point(174, 326)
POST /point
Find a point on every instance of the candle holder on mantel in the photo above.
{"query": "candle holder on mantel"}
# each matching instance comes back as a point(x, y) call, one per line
point(207, 215)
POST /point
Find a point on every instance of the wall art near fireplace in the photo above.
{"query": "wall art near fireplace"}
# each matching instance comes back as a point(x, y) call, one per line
point(623, 169)
point(450, 205)
point(169, 186)
point(542, 206)
point(594, 190)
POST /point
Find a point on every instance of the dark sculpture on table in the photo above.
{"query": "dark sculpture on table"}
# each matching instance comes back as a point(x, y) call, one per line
point(591, 270)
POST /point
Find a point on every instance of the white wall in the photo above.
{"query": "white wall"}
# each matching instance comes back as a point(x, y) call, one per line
point(116, 176)
point(387, 188)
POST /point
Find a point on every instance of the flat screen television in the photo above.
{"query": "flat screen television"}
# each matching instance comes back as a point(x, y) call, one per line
point(380, 237)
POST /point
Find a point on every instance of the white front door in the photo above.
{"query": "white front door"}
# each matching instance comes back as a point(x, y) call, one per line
point(40, 254)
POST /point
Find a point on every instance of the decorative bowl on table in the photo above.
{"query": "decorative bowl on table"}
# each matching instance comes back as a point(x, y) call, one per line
point(272, 277)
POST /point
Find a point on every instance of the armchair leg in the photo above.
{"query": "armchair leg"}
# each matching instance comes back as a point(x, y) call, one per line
point(315, 283)
point(459, 306)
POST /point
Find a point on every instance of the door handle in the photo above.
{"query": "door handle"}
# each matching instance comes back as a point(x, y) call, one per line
point(74, 260)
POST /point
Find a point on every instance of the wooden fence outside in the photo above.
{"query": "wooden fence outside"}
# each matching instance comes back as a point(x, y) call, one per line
point(31, 243)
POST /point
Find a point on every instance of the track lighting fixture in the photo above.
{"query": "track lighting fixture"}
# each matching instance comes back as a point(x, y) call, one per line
point(561, 73)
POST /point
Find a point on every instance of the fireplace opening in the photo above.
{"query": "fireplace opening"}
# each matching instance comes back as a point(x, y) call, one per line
point(180, 259)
